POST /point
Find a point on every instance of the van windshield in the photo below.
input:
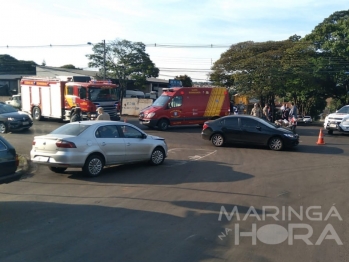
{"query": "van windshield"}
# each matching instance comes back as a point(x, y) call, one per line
point(161, 101)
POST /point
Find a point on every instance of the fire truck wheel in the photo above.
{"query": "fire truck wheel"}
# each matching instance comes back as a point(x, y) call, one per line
point(36, 113)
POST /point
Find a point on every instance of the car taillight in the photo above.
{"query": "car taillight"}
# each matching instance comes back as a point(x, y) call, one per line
point(204, 126)
point(65, 144)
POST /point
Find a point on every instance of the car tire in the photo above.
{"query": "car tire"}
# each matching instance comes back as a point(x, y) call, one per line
point(157, 156)
point(3, 128)
point(330, 132)
point(163, 124)
point(93, 166)
point(217, 140)
point(36, 113)
point(57, 169)
point(275, 143)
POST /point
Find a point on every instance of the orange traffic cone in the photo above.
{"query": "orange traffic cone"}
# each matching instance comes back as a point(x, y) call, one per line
point(320, 140)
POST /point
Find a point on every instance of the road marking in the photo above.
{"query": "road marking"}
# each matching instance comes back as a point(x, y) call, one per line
point(195, 157)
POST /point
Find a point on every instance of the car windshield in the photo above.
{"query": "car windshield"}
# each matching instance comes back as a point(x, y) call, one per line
point(344, 110)
point(70, 129)
point(97, 94)
point(6, 109)
point(161, 101)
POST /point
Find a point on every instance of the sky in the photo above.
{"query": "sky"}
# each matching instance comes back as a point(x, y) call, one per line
point(29, 27)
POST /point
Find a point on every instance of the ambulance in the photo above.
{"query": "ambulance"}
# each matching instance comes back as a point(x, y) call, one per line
point(186, 106)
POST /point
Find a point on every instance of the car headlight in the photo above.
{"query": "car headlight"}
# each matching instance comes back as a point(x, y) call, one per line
point(345, 121)
point(289, 135)
point(150, 115)
point(11, 119)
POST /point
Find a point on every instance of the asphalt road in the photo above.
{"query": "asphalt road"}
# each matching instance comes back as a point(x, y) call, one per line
point(173, 212)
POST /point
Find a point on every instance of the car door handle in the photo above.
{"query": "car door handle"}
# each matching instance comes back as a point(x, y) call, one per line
point(128, 144)
point(103, 143)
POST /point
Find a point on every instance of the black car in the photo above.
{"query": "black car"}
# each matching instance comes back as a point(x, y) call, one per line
point(248, 130)
point(13, 120)
point(8, 158)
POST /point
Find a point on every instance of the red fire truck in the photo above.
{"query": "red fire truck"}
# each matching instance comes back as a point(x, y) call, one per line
point(54, 98)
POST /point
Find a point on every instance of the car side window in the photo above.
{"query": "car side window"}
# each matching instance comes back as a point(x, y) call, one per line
point(232, 122)
point(246, 122)
point(176, 102)
point(109, 131)
point(130, 132)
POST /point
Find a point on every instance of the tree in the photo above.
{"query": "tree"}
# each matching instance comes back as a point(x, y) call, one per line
point(70, 66)
point(124, 60)
point(186, 80)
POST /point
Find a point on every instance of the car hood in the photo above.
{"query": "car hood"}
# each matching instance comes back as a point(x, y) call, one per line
point(155, 137)
point(338, 116)
point(17, 115)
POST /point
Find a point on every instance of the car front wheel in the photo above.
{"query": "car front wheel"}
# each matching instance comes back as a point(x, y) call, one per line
point(157, 156)
point(275, 143)
point(93, 166)
point(217, 140)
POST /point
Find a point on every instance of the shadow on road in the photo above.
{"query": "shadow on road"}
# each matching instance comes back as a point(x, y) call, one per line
point(170, 173)
point(39, 231)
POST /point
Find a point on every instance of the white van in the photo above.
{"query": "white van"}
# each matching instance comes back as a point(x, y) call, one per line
point(134, 94)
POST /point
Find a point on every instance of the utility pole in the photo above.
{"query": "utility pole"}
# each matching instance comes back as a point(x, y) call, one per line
point(104, 75)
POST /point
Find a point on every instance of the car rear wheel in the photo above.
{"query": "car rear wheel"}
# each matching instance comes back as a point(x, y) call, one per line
point(3, 128)
point(275, 143)
point(217, 140)
point(157, 156)
point(93, 166)
point(163, 124)
point(57, 169)
point(36, 113)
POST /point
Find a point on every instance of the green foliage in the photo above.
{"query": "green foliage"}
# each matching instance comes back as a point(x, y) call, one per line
point(124, 60)
point(186, 80)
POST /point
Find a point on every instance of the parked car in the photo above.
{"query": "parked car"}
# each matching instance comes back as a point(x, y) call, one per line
point(8, 158)
point(338, 121)
point(248, 130)
point(307, 120)
point(91, 145)
point(13, 120)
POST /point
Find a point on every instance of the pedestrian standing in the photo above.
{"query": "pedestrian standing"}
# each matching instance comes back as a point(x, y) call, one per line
point(256, 111)
point(102, 115)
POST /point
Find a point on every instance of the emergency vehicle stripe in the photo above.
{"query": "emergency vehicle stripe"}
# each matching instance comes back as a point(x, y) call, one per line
point(215, 102)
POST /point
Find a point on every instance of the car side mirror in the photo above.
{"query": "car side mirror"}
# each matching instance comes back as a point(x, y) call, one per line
point(258, 128)
point(144, 136)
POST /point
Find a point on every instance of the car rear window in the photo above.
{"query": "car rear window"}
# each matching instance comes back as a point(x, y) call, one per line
point(70, 129)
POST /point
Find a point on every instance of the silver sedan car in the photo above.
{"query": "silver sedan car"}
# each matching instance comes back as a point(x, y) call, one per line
point(92, 145)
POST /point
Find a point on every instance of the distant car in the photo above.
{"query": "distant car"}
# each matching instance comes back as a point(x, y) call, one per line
point(248, 130)
point(91, 145)
point(8, 158)
point(13, 120)
point(307, 119)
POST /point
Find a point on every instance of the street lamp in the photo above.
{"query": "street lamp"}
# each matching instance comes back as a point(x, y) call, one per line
point(104, 70)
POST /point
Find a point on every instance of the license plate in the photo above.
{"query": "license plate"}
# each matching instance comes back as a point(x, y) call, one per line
point(333, 125)
point(25, 123)
point(42, 158)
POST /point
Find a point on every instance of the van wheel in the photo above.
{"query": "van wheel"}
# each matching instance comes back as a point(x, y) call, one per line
point(93, 166)
point(36, 113)
point(3, 128)
point(163, 124)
